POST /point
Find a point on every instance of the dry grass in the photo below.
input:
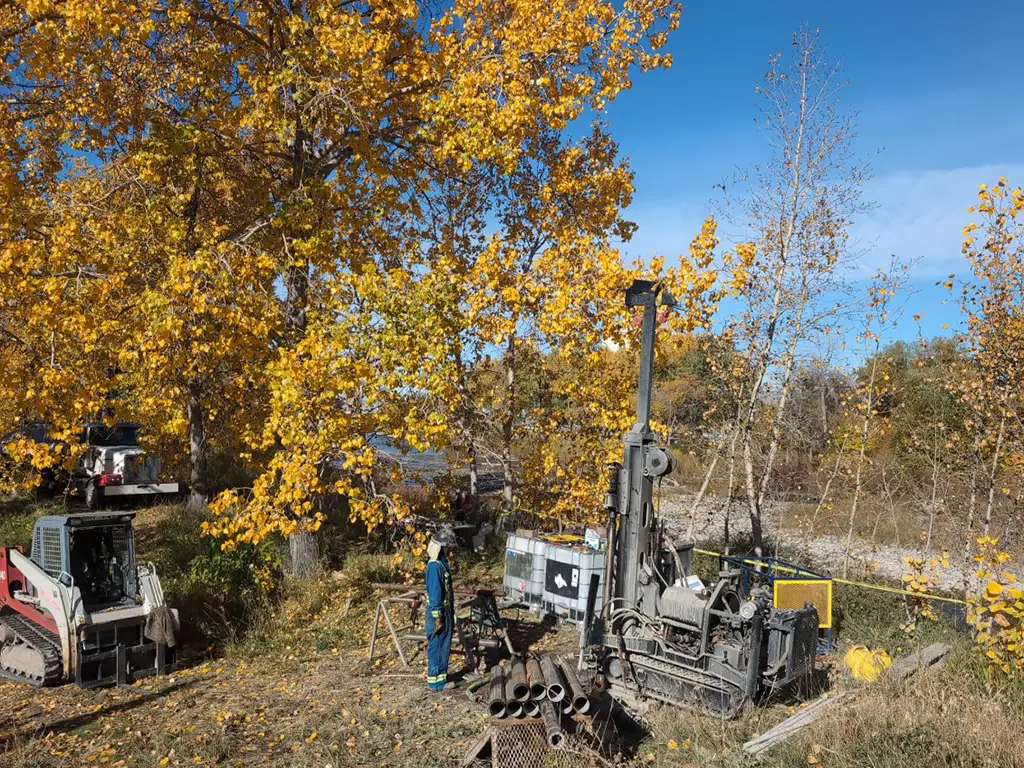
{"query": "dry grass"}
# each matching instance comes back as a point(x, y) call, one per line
point(954, 716)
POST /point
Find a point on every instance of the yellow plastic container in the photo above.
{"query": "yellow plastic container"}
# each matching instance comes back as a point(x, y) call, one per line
point(867, 663)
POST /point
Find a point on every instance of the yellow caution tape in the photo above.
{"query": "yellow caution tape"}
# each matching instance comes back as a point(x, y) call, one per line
point(877, 587)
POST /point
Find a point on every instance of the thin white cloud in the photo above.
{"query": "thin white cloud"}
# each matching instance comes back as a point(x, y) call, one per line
point(917, 215)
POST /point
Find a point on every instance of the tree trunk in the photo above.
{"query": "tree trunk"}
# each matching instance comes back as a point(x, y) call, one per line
point(934, 498)
point(709, 474)
point(823, 500)
point(789, 216)
point(861, 460)
point(969, 538)
point(198, 479)
point(789, 364)
point(474, 475)
point(824, 416)
point(296, 284)
point(508, 429)
point(729, 493)
point(303, 556)
point(468, 420)
point(992, 475)
point(699, 498)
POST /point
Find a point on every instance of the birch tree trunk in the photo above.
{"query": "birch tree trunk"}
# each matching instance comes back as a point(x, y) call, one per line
point(858, 483)
point(992, 475)
point(799, 209)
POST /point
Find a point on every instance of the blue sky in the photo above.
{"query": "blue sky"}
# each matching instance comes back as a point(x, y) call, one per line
point(940, 110)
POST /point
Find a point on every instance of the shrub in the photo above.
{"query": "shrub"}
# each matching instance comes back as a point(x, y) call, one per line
point(224, 591)
point(218, 593)
point(996, 611)
point(920, 579)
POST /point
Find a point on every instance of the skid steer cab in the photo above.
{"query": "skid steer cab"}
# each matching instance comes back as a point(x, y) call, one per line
point(80, 609)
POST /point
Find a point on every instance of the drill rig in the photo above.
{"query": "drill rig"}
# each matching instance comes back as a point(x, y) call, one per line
point(661, 634)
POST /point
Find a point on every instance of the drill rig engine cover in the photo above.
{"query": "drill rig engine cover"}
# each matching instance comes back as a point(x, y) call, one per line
point(656, 637)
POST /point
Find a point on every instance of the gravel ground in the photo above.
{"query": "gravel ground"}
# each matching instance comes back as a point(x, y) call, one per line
point(827, 551)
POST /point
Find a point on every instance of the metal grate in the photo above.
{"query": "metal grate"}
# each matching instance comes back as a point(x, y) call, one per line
point(519, 565)
point(119, 537)
point(803, 648)
point(793, 593)
point(523, 744)
point(51, 560)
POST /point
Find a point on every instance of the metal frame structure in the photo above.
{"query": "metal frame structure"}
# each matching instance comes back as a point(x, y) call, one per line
point(411, 599)
point(773, 569)
point(484, 617)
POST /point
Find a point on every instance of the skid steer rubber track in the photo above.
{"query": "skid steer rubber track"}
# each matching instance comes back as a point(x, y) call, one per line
point(35, 639)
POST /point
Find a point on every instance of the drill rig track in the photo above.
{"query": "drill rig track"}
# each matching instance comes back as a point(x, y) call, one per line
point(25, 640)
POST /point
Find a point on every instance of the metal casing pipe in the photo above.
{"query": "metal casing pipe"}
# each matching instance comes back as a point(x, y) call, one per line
point(754, 661)
point(580, 700)
point(556, 688)
point(520, 687)
point(531, 708)
point(612, 502)
point(552, 724)
point(538, 688)
point(496, 697)
point(566, 705)
point(512, 707)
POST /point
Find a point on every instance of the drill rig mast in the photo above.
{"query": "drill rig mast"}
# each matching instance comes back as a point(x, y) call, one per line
point(660, 634)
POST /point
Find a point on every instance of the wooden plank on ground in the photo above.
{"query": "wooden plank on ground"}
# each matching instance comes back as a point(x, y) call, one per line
point(905, 666)
point(796, 722)
point(479, 749)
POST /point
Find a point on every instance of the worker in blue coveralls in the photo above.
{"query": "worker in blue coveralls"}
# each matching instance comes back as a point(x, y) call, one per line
point(440, 622)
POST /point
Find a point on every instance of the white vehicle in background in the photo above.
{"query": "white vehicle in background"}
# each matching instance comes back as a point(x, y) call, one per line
point(114, 466)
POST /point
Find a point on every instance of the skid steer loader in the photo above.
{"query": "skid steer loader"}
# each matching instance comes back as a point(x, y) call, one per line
point(80, 609)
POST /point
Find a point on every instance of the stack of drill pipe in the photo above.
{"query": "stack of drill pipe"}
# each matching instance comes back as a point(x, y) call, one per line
point(552, 724)
point(496, 703)
point(538, 688)
point(580, 700)
point(520, 688)
point(512, 707)
point(556, 688)
point(531, 708)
